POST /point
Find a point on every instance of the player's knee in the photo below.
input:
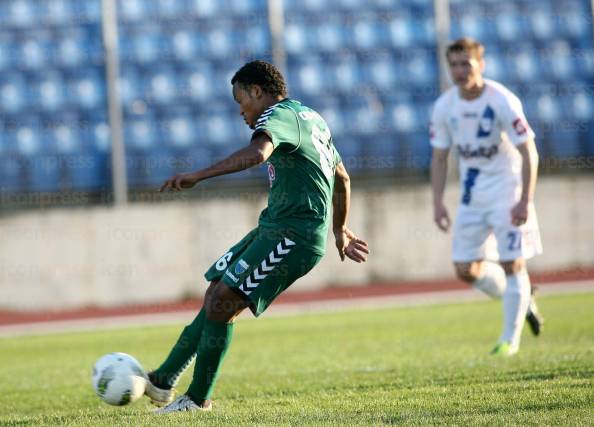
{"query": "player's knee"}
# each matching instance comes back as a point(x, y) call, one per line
point(513, 267)
point(222, 304)
point(467, 271)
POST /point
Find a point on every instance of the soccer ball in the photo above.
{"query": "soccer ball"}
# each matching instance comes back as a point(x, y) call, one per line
point(118, 379)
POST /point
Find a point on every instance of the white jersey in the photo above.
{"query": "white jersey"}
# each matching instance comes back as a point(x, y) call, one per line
point(484, 132)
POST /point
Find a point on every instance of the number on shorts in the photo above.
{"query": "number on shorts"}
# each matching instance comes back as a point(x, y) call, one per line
point(221, 264)
point(515, 240)
point(469, 182)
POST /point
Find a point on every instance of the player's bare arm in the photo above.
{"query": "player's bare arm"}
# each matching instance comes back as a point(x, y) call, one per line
point(519, 213)
point(254, 154)
point(346, 242)
point(439, 169)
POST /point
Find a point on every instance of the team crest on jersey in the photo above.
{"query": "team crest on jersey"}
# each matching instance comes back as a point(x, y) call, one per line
point(271, 173)
point(486, 123)
point(241, 266)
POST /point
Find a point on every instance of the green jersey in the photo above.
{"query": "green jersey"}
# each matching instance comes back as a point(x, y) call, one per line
point(301, 172)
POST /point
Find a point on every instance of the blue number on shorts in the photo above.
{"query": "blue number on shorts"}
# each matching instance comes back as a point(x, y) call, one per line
point(469, 182)
point(515, 240)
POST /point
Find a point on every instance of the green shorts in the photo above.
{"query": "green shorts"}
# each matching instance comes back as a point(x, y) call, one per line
point(262, 265)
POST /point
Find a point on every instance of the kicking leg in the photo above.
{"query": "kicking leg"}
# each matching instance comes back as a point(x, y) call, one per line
point(163, 379)
point(221, 307)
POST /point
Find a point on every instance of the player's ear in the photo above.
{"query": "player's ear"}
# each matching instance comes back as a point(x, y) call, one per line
point(256, 91)
point(482, 64)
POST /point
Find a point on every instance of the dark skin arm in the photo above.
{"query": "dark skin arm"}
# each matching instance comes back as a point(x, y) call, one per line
point(254, 154)
point(347, 243)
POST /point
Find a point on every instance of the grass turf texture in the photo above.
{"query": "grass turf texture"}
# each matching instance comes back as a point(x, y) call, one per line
point(418, 365)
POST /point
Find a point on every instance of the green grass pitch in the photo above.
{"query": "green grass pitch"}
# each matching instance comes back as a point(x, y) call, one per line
point(414, 366)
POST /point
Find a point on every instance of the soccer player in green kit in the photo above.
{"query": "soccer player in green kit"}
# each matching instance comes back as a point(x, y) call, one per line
point(306, 177)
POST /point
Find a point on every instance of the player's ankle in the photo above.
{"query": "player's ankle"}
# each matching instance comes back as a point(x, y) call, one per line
point(155, 380)
point(203, 403)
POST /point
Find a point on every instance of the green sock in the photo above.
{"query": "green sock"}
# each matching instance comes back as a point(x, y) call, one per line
point(182, 354)
point(213, 346)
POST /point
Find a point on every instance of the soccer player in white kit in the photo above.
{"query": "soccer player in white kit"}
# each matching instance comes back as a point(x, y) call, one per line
point(496, 221)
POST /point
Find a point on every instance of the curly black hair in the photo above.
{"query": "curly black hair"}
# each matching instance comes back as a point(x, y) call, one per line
point(263, 74)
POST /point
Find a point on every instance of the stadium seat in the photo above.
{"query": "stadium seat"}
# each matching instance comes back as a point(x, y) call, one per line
point(525, 65)
point(383, 72)
point(75, 47)
point(58, 12)
point(35, 51)
point(87, 89)
point(582, 106)
point(170, 9)
point(141, 133)
point(219, 128)
point(161, 85)
point(50, 91)
point(134, 10)
point(13, 93)
point(100, 136)
point(296, 38)
point(185, 44)
point(311, 77)
point(206, 9)
point(331, 36)
point(493, 66)
point(178, 128)
point(255, 42)
point(510, 25)
point(89, 11)
point(197, 81)
point(244, 8)
point(367, 35)
point(28, 138)
point(543, 24)
point(144, 47)
point(21, 13)
point(403, 118)
point(344, 75)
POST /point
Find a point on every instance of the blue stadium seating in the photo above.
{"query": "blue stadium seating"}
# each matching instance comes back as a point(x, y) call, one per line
point(369, 68)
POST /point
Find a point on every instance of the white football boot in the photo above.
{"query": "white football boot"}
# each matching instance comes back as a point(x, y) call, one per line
point(158, 396)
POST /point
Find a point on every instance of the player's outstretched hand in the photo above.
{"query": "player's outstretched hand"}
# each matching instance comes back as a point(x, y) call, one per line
point(519, 213)
point(351, 246)
point(441, 217)
point(179, 182)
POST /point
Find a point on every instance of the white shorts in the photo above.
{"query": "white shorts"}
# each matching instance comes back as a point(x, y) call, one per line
point(488, 234)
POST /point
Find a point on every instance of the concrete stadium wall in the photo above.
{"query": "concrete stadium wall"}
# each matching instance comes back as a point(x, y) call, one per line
point(151, 253)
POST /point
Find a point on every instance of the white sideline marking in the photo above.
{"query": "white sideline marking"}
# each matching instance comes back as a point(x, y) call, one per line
point(288, 309)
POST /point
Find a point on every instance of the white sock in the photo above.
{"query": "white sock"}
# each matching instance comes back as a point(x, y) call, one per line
point(492, 281)
point(516, 300)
